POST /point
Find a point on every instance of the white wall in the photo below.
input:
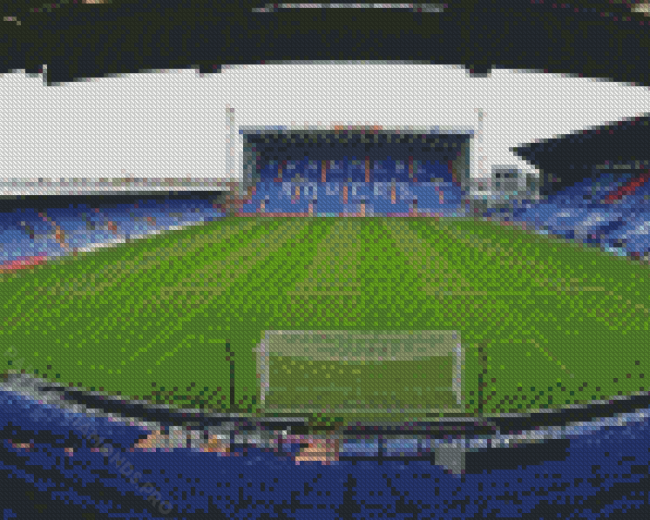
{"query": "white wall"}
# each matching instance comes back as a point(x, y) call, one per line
point(175, 125)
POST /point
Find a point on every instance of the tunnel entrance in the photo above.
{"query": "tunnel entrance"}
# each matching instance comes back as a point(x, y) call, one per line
point(355, 155)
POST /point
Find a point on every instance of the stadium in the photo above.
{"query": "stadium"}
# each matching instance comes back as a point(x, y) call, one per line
point(323, 201)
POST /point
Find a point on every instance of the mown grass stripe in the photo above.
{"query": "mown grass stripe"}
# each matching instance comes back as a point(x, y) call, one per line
point(65, 269)
point(273, 277)
point(153, 298)
point(228, 233)
point(344, 255)
point(277, 269)
point(255, 259)
point(426, 260)
point(123, 276)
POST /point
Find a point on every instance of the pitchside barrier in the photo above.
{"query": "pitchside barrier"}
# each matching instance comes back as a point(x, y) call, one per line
point(360, 372)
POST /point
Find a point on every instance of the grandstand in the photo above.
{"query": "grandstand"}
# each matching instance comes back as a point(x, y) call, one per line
point(608, 211)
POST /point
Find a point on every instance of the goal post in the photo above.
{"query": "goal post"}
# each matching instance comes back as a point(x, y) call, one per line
point(360, 372)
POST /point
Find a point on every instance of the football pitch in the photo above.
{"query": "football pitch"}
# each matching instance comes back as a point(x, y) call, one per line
point(176, 319)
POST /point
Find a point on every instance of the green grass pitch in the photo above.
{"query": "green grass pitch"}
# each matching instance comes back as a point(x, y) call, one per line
point(544, 323)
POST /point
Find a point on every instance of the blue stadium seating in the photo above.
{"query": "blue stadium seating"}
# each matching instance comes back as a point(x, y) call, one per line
point(580, 212)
